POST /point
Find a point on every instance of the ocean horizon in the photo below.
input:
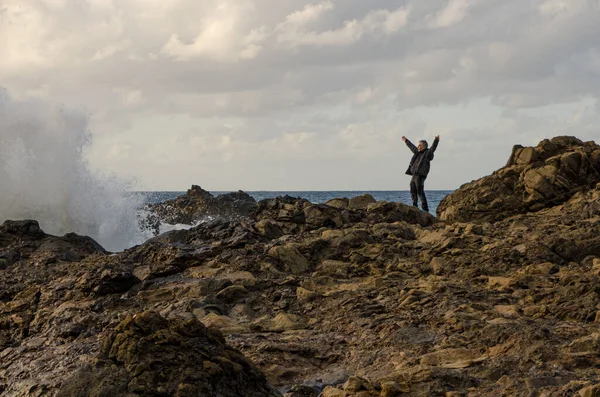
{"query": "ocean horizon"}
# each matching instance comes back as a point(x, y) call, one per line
point(434, 197)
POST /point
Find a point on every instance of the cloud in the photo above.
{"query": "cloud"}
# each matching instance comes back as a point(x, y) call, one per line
point(310, 12)
point(260, 88)
point(220, 37)
point(453, 13)
point(293, 32)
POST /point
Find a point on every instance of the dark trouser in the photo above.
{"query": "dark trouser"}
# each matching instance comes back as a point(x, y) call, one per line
point(417, 188)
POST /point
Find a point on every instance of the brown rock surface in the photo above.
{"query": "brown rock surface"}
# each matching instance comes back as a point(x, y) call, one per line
point(148, 355)
point(533, 178)
point(196, 205)
point(388, 302)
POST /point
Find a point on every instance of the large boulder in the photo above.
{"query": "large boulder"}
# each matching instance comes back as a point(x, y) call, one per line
point(389, 212)
point(197, 204)
point(533, 178)
point(151, 356)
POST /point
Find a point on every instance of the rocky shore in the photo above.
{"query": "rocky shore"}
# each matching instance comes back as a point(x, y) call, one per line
point(197, 205)
point(497, 296)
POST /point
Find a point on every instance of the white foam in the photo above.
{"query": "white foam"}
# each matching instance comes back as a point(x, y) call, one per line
point(43, 176)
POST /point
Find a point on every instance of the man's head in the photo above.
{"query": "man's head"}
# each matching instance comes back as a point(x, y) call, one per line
point(422, 145)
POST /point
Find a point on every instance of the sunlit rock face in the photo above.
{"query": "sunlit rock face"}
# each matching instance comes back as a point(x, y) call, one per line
point(533, 178)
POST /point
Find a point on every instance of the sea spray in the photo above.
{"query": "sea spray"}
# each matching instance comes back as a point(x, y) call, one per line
point(44, 176)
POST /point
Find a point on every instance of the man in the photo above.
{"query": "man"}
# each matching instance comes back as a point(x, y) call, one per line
point(419, 168)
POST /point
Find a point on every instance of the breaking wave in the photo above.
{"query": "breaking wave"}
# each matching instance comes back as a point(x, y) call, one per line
point(44, 176)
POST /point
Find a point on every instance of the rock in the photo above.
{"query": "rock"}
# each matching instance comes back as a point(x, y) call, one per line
point(391, 389)
point(330, 391)
point(232, 293)
point(149, 354)
point(157, 295)
point(282, 322)
point(268, 229)
point(287, 211)
point(533, 179)
point(355, 384)
point(596, 266)
point(587, 344)
point(293, 261)
point(196, 204)
point(304, 294)
point(244, 278)
point(346, 238)
point(590, 391)
point(382, 211)
point(452, 358)
point(322, 215)
point(361, 202)
point(301, 391)
point(114, 282)
point(341, 203)
point(336, 269)
point(507, 311)
point(7, 258)
point(439, 266)
point(225, 324)
point(400, 230)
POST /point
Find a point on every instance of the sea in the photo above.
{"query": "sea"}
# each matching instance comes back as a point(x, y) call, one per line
point(403, 196)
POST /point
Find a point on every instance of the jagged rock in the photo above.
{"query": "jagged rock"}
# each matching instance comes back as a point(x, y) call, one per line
point(534, 178)
point(148, 354)
point(355, 384)
point(197, 204)
point(382, 211)
point(361, 202)
point(590, 391)
point(322, 215)
point(301, 391)
point(292, 260)
point(341, 202)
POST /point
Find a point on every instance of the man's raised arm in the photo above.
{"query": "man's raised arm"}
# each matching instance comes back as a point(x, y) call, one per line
point(434, 146)
point(412, 147)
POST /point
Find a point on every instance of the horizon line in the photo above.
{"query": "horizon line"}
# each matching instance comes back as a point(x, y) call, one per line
point(294, 191)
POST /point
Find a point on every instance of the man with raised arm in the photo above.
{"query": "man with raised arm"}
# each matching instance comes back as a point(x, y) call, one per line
point(419, 168)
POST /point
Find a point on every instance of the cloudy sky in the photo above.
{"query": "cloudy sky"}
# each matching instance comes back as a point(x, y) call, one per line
point(306, 95)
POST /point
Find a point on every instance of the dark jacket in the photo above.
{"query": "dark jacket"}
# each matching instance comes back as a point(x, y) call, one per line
point(419, 164)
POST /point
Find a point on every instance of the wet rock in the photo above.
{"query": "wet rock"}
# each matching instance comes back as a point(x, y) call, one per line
point(382, 211)
point(355, 384)
point(232, 293)
point(391, 389)
point(7, 258)
point(322, 215)
point(148, 354)
point(268, 229)
point(452, 358)
point(198, 204)
point(282, 322)
point(439, 266)
point(336, 269)
point(225, 324)
point(361, 202)
point(590, 391)
point(291, 258)
point(302, 391)
point(112, 281)
point(341, 203)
